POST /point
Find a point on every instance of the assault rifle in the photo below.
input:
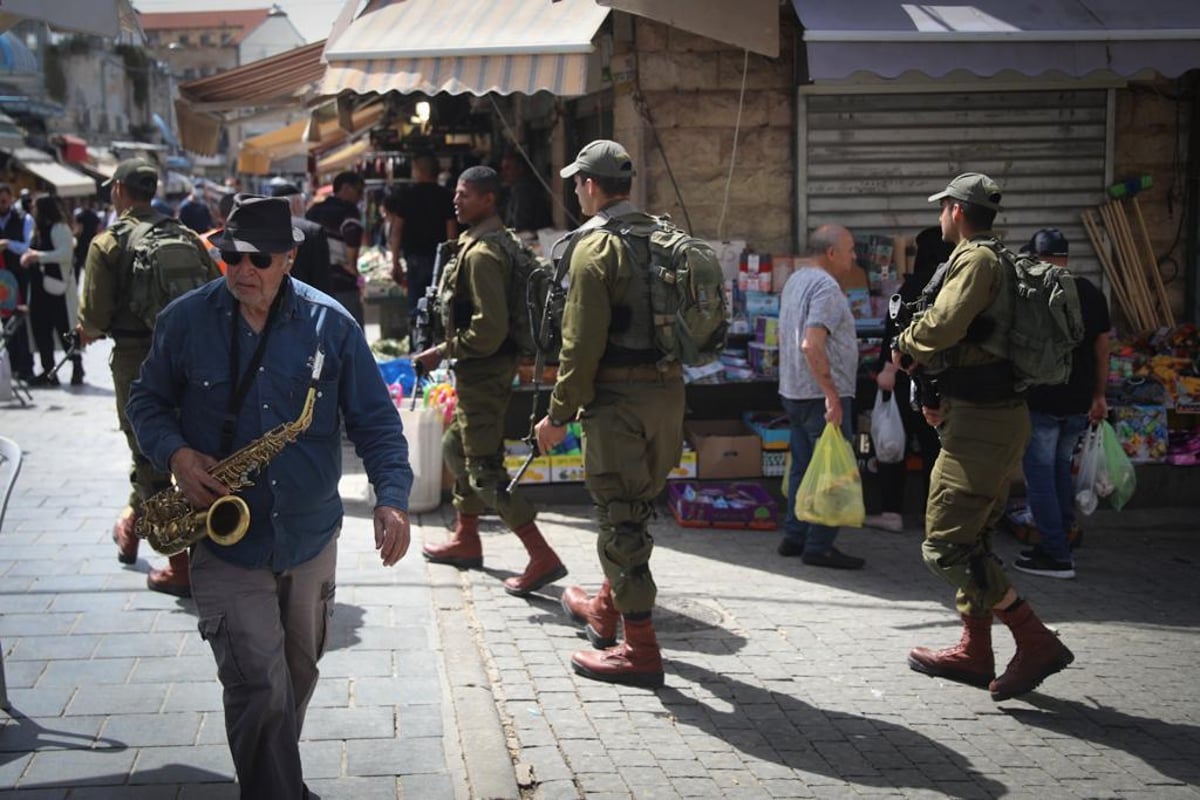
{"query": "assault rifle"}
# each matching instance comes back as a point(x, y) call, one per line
point(925, 387)
point(71, 340)
point(546, 338)
point(427, 312)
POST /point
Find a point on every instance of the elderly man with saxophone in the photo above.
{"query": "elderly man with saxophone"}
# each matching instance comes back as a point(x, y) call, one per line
point(244, 388)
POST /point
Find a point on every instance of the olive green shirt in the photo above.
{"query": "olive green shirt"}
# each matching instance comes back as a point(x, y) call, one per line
point(105, 306)
point(480, 274)
point(973, 279)
point(599, 273)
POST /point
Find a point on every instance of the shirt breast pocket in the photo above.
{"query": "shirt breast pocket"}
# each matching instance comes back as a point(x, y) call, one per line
point(207, 399)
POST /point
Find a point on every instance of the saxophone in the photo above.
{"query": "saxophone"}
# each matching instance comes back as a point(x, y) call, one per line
point(171, 524)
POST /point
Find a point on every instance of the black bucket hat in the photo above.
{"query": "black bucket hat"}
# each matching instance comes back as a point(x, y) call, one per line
point(258, 224)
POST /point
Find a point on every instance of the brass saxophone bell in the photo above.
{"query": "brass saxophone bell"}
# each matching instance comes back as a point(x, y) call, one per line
point(227, 520)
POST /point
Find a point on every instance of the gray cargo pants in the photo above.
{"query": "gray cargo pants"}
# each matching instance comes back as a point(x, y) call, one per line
point(267, 631)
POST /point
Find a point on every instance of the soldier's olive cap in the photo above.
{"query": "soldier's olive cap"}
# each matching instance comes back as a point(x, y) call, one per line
point(603, 158)
point(138, 173)
point(974, 188)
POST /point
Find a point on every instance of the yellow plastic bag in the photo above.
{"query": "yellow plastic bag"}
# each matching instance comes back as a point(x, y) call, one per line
point(831, 491)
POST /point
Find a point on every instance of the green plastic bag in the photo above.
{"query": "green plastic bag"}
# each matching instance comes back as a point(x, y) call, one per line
point(831, 491)
point(1116, 470)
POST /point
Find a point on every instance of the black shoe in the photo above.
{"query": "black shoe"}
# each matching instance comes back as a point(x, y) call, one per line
point(1042, 564)
point(45, 379)
point(833, 558)
point(789, 549)
point(76, 373)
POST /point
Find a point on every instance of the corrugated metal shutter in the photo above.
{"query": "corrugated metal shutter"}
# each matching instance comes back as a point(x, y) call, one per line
point(871, 160)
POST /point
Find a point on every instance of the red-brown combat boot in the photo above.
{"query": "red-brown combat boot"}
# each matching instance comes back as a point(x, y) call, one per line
point(598, 613)
point(636, 661)
point(174, 579)
point(462, 549)
point(544, 565)
point(126, 539)
point(1039, 653)
point(970, 661)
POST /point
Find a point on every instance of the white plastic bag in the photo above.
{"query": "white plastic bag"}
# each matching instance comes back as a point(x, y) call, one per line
point(887, 429)
point(423, 430)
point(1090, 458)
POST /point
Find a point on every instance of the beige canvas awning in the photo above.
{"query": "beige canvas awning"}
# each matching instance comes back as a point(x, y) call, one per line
point(260, 151)
point(464, 47)
point(67, 182)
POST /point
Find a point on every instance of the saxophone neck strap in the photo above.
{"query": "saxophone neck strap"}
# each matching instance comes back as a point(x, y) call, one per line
point(241, 387)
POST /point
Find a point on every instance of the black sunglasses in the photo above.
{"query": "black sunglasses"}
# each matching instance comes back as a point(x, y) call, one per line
point(259, 260)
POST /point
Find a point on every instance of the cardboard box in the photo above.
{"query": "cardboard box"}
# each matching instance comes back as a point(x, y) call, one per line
point(538, 472)
point(724, 449)
point(686, 467)
point(566, 468)
point(728, 505)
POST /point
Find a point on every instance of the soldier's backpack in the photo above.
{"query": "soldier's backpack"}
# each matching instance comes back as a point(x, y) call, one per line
point(164, 262)
point(687, 295)
point(1045, 322)
point(530, 326)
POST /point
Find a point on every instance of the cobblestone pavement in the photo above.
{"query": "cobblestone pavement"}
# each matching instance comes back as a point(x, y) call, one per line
point(783, 680)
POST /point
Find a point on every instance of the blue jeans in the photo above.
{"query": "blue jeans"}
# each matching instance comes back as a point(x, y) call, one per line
point(1047, 467)
point(807, 419)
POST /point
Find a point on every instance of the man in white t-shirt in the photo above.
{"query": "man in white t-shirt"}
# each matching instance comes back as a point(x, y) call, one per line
point(818, 359)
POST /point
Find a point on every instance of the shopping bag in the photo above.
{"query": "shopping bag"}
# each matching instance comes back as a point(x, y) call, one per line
point(1086, 498)
point(887, 429)
point(831, 491)
point(1119, 480)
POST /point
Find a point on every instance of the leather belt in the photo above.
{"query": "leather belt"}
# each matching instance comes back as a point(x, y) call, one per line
point(639, 373)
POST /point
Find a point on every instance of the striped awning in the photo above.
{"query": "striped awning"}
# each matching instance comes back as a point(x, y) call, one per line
point(343, 157)
point(464, 46)
point(259, 152)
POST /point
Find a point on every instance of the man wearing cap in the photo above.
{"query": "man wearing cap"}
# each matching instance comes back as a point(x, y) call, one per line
point(105, 311)
point(984, 425)
point(229, 362)
point(312, 265)
point(631, 413)
point(1059, 415)
point(474, 301)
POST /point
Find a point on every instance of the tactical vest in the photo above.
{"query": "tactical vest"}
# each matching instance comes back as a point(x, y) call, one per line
point(631, 330)
point(454, 310)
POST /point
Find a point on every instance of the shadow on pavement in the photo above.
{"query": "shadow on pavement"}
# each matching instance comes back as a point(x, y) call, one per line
point(24, 735)
point(781, 729)
point(1172, 749)
point(681, 623)
point(347, 619)
point(1146, 557)
point(167, 775)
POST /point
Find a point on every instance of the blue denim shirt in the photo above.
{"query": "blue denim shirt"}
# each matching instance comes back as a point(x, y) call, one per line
point(183, 392)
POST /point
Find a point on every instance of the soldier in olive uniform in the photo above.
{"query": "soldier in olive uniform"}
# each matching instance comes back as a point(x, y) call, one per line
point(105, 311)
point(631, 411)
point(984, 425)
point(473, 300)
